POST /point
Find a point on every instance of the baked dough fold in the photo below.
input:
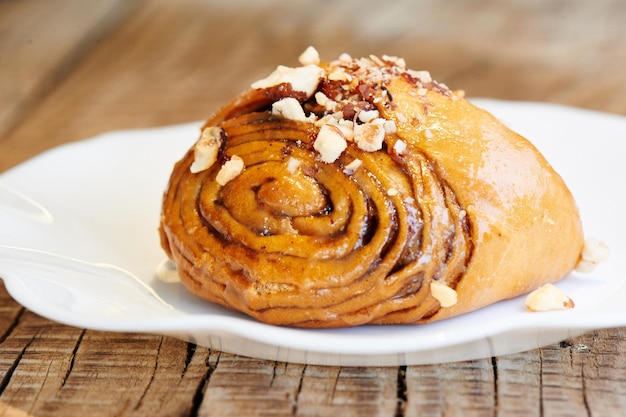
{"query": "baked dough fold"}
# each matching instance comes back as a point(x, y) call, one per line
point(358, 191)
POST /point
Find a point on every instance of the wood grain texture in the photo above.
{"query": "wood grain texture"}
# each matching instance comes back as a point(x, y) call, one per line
point(69, 71)
point(40, 43)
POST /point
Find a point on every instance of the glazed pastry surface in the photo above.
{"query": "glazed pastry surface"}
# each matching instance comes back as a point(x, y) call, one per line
point(358, 191)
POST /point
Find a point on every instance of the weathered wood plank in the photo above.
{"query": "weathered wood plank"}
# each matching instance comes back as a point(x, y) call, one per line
point(250, 387)
point(40, 41)
point(348, 391)
point(9, 312)
point(602, 355)
point(131, 375)
point(519, 384)
point(35, 359)
point(451, 389)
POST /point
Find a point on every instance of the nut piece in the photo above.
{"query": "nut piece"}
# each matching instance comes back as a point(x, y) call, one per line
point(446, 296)
point(367, 115)
point(310, 56)
point(329, 143)
point(352, 166)
point(304, 79)
point(230, 170)
point(293, 164)
point(548, 297)
point(289, 108)
point(369, 136)
point(206, 149)
point(399, 147)
point(592, 254)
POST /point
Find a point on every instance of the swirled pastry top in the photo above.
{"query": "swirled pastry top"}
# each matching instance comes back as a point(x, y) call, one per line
point(360, 191)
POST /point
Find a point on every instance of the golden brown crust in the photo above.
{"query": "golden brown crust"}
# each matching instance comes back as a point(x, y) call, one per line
point(452, 196)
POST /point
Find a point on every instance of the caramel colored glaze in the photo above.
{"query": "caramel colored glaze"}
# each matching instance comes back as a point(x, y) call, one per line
point(525, 226)
point(474, 206)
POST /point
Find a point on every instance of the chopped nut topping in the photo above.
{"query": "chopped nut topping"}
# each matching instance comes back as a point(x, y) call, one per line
point(230, 170)
point(304, 79)
point(344, 99)
point(423, 76)
point(592, 254)
point(548, 297)
point(369, 136)
point(339, 74)
point(352, 166)
point(446, 296)
point(310, 56)
point(399, 147)
point(289, 108)
point(347, 129)
point(321, 98)
point(293, 164)
point(389, 126)
point(367, 115)
point(345, 58)
point(392, 192)
point(400, 62)
point(206, 149)
point(330, 143)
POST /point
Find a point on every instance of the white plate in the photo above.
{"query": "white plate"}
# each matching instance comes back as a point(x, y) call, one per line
point(79, 245)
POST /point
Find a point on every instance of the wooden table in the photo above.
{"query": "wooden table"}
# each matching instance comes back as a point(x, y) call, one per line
point(71, 69)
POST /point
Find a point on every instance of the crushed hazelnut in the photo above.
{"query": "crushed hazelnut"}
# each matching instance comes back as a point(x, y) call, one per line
point(292, 164)
point(423, 76)
point(339, 74)
point(399, 147)
point(367, 115)
point(592, 254)
point(321, 98)
point(304, 79)
point(390, 126)
point(346, 106)
point(347, 129)
point(310, 56)
point(369, 136)
point(230, 170)
point(548, 297)
point(289, 108)
point(330, 143)
point(345, 58)
point(352, 166)
point(206, 149)
point(400, 62)
point(392, 192)
point(446, 296)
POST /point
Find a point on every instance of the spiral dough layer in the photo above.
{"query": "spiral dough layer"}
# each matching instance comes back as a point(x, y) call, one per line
point(318, 198)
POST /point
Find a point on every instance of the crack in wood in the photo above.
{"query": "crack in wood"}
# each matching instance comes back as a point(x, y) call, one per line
point(294, 407)
point(494, 368)
point(198, 395)
point(152, 376)
point(401, 392)
point(14, 324)
point(4, 382)
point(73, 358)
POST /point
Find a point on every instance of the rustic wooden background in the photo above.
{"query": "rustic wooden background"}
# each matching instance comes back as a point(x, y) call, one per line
point(70, 69)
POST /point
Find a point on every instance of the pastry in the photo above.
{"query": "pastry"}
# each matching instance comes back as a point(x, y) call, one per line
point(358, 191)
